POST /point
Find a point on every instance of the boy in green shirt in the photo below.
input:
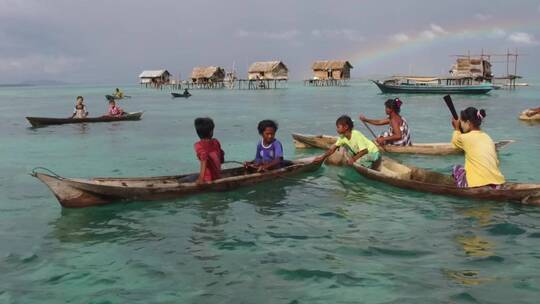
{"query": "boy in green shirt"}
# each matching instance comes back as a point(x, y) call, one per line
point(353, 145)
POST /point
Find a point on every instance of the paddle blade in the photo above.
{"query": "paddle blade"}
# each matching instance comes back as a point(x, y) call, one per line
point(450, 106)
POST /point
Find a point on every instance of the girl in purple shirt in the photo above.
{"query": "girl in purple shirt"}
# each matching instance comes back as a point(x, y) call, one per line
point(269, 150)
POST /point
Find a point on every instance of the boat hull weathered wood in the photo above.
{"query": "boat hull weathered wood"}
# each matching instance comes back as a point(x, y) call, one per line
point(534, 118)
point(433, 89)
point(417, 179)
point(326, 141)
point(78, 193)
point(46, 121)
point(182, 95)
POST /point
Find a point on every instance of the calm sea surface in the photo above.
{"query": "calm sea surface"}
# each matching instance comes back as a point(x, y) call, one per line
point(338, 239)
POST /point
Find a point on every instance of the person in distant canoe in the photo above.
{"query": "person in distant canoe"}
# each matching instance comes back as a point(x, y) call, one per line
point(80, 109)
point(398, 134)
point(269, 153)
point(186, 92)
point(481, 161)
point(353, 145)
point(118, 94)
point(114, 110)
point(532, 112)
point(208, 151)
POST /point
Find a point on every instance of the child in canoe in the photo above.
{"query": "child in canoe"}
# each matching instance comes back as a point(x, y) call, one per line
point(481, 162)
point(269, 153)
point(114, 110)
point(355, 147)
point(80, 109)
point(208, 151)
point(398, 134)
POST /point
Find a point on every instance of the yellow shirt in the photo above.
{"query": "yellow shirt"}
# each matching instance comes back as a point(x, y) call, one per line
point(357, 143)
point(481, 162)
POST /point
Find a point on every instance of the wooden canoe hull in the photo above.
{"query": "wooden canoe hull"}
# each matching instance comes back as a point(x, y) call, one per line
point(78, 193)
point(47, 121)
point(326, 141)
point(534, 118)
point(417, 179)
point(175, 95)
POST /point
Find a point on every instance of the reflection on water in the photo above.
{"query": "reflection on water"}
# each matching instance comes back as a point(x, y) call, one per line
point(466, 277)
point(476, 246)
point(115, 223)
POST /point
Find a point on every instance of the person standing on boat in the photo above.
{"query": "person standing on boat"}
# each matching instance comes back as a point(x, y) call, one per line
point(481, 161)
point(80, 109)
point(398, 134)
point(353, 146)
point(118, 94)
point(208, 151)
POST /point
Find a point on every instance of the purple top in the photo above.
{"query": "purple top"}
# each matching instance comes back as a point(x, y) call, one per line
point(266, 154)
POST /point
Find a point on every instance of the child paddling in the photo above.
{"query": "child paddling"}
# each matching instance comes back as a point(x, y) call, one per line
point(398, 134)
point(353, 145)
point(481, 162)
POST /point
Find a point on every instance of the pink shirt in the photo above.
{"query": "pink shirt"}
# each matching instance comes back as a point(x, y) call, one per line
point(115, 111)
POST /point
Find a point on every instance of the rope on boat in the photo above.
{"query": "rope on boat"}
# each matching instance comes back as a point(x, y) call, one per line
point(34, 172)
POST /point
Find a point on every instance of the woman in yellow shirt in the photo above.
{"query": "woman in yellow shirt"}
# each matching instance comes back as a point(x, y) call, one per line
point(481, 162)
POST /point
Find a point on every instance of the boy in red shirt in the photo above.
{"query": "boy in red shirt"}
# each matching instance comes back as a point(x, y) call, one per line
point(208, 151)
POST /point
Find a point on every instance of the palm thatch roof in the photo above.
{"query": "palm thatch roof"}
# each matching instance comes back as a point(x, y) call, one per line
point(153, 73)
point(207, 72)
point(331, 65)
point(265, 66)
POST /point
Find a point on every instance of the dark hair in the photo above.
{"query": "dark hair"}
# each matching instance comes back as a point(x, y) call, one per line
point(267, 123)
point(394, 104)
point(80, 97)
point(345, 120)
point(473, 115)
point(204, 127)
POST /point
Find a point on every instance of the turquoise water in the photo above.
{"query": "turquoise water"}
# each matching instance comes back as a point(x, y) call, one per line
point(338, 239)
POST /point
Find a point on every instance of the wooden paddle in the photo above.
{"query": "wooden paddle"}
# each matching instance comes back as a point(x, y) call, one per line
point(373, 133)
point(450, 105)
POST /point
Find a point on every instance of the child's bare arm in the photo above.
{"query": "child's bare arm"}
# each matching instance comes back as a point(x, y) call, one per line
point(200, 180)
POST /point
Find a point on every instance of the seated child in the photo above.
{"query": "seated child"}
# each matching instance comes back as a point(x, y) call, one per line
point(269, 150)
point(208, 151)
point(114, 110)
point(356, 147)
point(80, 109)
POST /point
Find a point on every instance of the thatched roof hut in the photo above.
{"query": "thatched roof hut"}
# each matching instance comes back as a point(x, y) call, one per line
point(332, 69)
point(477, 68)
point(268, 70)
point(155, 76)
point(207, 74)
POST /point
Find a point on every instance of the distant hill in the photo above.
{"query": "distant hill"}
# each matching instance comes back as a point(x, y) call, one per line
point(43, 82)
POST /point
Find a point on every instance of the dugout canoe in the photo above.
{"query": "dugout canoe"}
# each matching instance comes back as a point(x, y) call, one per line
point(175, 95)
point(417, 179)
point(326, 141)
point(523, 116)
point(78, 193)
point(46, 121)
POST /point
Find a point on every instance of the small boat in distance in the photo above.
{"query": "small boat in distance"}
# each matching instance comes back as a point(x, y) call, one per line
point(78, 192)
point(175, 95)
point(417, 179)
point(433, 85)
point(37, 122)
point(302, 141)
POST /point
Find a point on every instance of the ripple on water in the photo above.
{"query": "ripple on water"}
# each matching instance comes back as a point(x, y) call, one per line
point(506, 229)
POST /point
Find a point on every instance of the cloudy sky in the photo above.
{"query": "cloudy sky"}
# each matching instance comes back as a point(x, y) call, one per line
point(101, 41)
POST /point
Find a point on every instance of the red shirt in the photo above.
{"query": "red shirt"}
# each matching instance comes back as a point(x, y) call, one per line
point(209, 151)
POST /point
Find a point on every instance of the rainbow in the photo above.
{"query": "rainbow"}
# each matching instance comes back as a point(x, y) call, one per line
point(434, 35)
